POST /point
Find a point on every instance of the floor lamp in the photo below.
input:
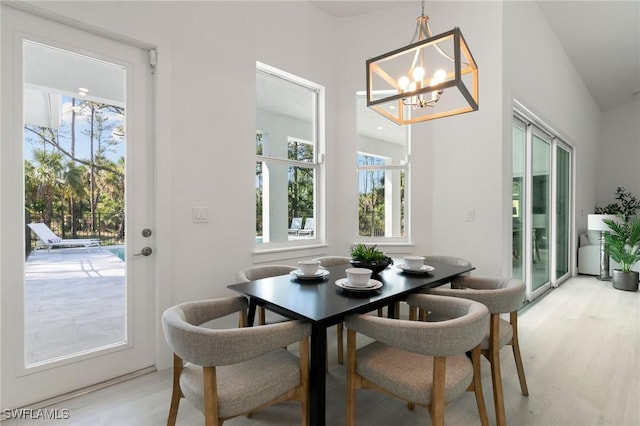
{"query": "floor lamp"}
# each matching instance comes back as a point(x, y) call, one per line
point(595, 222)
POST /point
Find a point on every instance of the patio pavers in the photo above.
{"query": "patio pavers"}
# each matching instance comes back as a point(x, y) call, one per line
point(74, 302)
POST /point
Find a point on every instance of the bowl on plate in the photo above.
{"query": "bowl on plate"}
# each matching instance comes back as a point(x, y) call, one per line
point(358, 277)
point(309, 267)
point(414, 262)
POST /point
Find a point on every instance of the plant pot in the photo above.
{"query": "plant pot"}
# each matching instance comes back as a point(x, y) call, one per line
point(627, 281)
point(376, 267)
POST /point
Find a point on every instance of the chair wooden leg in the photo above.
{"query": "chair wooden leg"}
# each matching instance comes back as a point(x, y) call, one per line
point(496, 375)
point(515, 345)
point(422, 314)
point(211, 415)
point(476, 384)
point(351, 379)
point(339, 334)
point(176, 393)
point(436, 408)
point(261, 316)
point(304, 379)
point(413, 313)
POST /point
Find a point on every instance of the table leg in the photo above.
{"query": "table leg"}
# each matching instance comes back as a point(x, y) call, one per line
point(251, 315)
point(317, 376)
point(391, 310)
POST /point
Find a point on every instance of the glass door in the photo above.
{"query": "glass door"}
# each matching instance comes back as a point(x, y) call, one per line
point(541, 206)
point(563, 211)
point(518, 198)
point(540, 210)
point(77, 306)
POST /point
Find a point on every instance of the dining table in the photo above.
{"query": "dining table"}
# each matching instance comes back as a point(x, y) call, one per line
point(323, 302)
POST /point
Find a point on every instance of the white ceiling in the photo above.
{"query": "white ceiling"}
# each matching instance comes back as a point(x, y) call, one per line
point(601, 38)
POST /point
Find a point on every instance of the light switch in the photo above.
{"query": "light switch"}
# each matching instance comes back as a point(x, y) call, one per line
point(200, 215)
point(470, 215)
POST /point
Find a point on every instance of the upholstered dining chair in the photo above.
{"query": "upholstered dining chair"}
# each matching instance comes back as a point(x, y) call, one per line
point(501, 296)
point(264, 271)
point(423, 363)
point(451, 260)
point(229, 372)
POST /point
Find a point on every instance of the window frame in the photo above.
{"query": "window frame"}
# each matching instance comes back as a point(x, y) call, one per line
point(317, 163)
point(403, 166)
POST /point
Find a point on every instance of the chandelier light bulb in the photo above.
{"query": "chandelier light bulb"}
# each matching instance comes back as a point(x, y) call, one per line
point(418, 73)
point(412, 86)
point(403, 82)
point(438, 77)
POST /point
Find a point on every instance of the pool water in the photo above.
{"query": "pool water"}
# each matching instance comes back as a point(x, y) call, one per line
point(118, 251)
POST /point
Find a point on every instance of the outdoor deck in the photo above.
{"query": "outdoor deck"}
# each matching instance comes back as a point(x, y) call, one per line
point(74, 301)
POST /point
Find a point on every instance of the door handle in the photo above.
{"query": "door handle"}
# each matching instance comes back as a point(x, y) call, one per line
point(146, 251)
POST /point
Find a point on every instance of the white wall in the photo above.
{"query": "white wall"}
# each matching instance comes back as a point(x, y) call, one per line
point(206, 104)
point(453, 160)
point(618, 162)
point(538, 74)
point(206, 129)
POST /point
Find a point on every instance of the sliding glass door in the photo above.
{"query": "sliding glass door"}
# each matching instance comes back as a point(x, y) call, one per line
point(541, 197)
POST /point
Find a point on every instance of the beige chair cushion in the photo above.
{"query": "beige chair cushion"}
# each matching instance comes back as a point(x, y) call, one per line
point(410, 375)
point(506, 333)
point(244, 386)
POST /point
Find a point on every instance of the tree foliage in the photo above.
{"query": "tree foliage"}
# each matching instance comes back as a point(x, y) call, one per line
point(70, 176)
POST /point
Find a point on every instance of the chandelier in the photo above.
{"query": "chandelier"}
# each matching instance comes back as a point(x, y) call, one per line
point(432, 77)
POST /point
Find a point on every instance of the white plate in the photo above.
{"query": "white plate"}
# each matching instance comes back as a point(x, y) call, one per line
point(320, 273)
point(423, 269)
point(344, 283)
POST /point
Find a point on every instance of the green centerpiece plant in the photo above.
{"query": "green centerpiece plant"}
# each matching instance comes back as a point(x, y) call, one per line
point(622, 244)
point(363, 256)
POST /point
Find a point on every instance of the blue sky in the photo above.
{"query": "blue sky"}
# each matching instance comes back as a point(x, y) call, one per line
point(82, 130)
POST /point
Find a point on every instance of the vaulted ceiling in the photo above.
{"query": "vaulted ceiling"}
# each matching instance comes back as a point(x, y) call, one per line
point(601, 38)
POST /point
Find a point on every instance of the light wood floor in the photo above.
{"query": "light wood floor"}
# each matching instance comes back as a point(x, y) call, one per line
point(581, 350)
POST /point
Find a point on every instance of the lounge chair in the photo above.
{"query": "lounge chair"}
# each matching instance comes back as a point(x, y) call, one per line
point(296, 225)
point(308, 227)
point(48, 239)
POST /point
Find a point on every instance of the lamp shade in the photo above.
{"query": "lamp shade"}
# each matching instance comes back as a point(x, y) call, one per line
point(595, 222)
point(432, 78)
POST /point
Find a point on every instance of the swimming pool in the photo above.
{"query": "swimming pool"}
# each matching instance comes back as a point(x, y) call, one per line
point(118, 251)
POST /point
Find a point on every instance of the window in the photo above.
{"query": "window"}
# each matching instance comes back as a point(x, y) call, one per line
point(382, 165)
point(287, 168)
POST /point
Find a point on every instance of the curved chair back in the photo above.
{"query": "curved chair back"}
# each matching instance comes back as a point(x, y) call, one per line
point(264, 271)
point(329, 261)
point(464, 330)
point(210, 347)
point(500, 295)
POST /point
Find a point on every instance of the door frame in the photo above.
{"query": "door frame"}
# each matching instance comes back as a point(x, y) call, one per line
point(12, 203)
point(555, 139)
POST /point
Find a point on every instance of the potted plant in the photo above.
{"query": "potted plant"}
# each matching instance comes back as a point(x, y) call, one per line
point(627, 205)
point(363, 256)
point(622, 244)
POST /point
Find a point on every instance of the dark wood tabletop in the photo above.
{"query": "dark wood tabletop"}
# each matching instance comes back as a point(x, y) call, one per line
point(322, 301)
point(324, 304)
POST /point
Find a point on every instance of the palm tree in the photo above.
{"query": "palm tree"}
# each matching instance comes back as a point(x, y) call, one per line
point(49, 181)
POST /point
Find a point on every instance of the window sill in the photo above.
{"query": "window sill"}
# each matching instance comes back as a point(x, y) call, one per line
point(272, 254)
